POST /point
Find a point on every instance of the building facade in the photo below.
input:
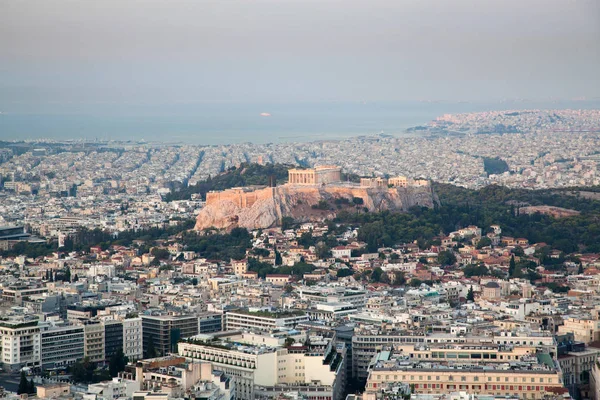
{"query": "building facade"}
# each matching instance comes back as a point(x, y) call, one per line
point(132, 338)
point(113, 338)
point(20, 343)
point(320, 175)
point(94, 341)
point(162, 329)
point(262, 321)
point(62, 345)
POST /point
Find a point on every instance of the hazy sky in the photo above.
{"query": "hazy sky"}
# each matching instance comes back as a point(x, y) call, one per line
point(170, 51)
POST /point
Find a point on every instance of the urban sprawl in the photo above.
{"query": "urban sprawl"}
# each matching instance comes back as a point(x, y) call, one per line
point(108, 292)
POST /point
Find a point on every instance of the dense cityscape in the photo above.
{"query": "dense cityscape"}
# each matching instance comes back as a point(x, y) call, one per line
point(485, 287)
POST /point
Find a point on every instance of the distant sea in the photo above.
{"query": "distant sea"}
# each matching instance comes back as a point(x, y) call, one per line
point(211, 124)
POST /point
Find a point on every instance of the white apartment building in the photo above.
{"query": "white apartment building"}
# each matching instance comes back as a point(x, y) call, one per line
point(118, 388)
point(265, 372)
point(132, 338)
point(20, 342)
point(356, 297)
point(264, 321)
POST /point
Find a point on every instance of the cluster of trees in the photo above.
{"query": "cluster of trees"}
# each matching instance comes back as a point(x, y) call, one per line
point(245, 175)
point(494, 166)
point(30, 250)
point(263, 269)
point(85, 238)
point(218, 246)
point(85, 371)
point(25, 386)
point(491, 205)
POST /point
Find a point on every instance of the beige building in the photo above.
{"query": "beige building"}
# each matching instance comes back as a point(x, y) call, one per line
point(278, 279)
point(53, 390)
point(94, 341)
point(374, 182)
point(491, 290)
point(320, 175)
point(398, 181)
point(584, 330)
point(530, 378)
point(240, 267)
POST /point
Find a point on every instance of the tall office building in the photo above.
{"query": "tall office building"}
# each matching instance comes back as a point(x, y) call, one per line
point(113, 338)
point(62, 345)
point(164, 330)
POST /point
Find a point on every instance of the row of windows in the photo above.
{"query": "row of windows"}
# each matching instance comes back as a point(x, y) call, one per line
point(462, 378)
point(476, 387)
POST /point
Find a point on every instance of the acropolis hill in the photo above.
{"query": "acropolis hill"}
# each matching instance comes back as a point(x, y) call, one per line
point(303, 197)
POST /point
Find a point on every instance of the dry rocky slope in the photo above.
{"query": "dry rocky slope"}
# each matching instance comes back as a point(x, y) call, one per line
point(270, 205)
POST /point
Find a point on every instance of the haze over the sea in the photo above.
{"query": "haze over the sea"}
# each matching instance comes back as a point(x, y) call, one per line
point(235, 123)
point(204, 71)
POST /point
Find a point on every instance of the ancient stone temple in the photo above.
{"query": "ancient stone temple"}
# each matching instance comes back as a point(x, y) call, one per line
point(315, 176)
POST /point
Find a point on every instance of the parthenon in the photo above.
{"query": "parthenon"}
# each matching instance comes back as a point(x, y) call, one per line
point(315, 176)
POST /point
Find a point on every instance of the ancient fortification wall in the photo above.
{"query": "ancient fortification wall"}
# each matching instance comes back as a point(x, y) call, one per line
point(265, 207)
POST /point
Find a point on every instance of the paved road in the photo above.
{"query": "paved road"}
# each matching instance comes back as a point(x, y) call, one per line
point(10, 381)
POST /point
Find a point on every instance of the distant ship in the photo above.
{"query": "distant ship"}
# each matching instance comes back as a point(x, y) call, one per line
point(265, 114)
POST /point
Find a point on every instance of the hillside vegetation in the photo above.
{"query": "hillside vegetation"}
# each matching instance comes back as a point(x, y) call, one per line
point(491, 205)
point(246, 174)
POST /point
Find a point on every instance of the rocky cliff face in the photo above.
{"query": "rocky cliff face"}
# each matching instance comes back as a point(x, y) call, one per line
point(296, 201)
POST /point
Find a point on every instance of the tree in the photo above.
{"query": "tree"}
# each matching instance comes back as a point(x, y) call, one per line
point(31, 387)
point(470, 294)
point(484, 242)
point(83, 371)
point(118, 361)
point(151, 350)
point(75, 278)
point(287, 223)
point(399, 278)
point(68, 274)
point(475, 270)
point(377, 274)
point(23, 384)
point(580, 269)
point(344, 272)
point(446, 257)
point(511, 266)
point(518, 251)
point(415, 282)
point(278, 259)
point(322, 250)
point(194, 281)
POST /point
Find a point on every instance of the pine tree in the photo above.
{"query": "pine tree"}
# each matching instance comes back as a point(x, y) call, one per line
point(23, 384)
point(151, 350)
point(31, 387)
point(512, 266)
point(470, 294)
point(118, 361)
point(68, 274)
point(580, 270)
